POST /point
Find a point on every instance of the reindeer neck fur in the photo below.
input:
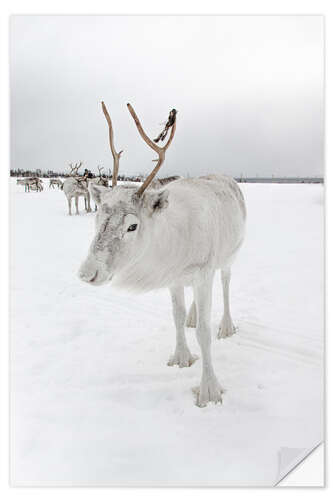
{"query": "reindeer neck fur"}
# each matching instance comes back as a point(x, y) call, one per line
point(200, 230)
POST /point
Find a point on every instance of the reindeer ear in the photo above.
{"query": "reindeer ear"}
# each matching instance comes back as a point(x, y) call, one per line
point(156, 201)
point(97, 192)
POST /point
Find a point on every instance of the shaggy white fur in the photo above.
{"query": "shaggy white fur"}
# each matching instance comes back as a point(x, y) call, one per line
point(172, 237)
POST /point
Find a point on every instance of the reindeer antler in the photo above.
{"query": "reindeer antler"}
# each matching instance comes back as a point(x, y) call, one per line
point(160, 151)
point(100, 170)
point(116, 156)
point(74, 170)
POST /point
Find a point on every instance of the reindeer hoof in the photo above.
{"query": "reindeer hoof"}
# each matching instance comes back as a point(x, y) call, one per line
point(208, 392)
point(183, 358)
point(226, 329)
point(191, 322)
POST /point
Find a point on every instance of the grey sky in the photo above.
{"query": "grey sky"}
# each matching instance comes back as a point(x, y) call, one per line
point(248, 90)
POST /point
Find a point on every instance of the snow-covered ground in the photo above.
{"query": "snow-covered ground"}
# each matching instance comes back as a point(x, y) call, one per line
point(92, 398)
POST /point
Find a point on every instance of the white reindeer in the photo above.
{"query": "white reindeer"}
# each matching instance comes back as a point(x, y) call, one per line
point(55, 182)
point(36, 185)
point(23, 182)
point(74, 187)
point(101, 180)
point(31, 183)
point(172, 237)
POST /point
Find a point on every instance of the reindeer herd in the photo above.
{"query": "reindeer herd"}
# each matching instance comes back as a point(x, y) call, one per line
point(76, 185)
point(172, 233)
point(31, 184)
point(73, 187)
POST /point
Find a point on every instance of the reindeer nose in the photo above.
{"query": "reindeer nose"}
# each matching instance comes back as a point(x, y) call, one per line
point(87, 276)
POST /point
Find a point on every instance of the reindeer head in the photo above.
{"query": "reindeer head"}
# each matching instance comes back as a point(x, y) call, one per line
point(102, 181)
point(124, 222)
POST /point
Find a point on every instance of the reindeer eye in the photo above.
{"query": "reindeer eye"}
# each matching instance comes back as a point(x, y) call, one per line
point(132, 227)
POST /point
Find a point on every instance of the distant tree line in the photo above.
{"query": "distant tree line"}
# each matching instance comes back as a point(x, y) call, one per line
point(280, 180)
point(19, 172)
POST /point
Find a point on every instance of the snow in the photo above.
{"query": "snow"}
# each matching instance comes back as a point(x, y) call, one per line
point(93, 401)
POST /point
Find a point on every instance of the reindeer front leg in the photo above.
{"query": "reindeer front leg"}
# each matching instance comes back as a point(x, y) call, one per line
point(69, 200)
point(182, 356)
point(209, 389)
point(77, 205)
point(89, 206)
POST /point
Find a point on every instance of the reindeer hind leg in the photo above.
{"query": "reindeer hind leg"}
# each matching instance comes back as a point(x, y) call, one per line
point(191, 320)
point(226, 328)
point(209, 389)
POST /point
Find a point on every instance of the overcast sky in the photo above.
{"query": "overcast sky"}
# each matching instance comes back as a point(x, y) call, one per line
point(248, 90)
